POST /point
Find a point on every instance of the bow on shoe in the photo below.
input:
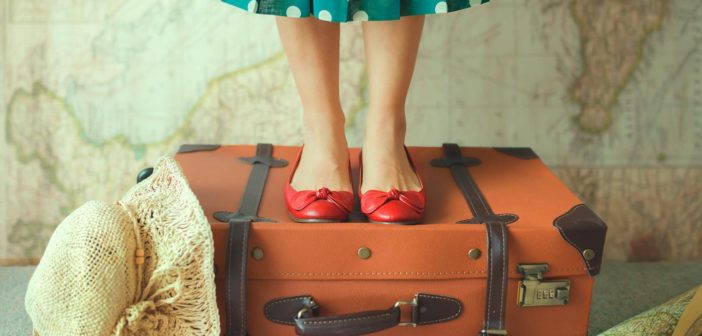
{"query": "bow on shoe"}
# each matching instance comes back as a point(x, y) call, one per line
point(374, 199)
point(307, 197)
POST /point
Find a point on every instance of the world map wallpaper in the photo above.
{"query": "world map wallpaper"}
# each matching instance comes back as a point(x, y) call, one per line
point(607, 92)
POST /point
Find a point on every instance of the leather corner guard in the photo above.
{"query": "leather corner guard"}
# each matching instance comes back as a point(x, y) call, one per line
point(585, 231)
point(524, 153)
point(301, 311)
point(197, 148)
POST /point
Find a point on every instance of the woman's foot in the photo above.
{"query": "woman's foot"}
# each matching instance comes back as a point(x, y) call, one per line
point(320, 189)
point(385, 163)
point(325, 159)
point(390, 189)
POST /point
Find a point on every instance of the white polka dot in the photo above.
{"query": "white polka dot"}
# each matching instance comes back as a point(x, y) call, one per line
point(324, 15)
point(441, 7)
point(360, 16)
point(474, 2)
point(293, 11)
point(253, 5)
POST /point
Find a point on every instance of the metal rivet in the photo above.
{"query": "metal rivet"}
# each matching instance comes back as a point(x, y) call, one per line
point(364, 253)
point(589, 254)
point(257, 253)
point(474, 253)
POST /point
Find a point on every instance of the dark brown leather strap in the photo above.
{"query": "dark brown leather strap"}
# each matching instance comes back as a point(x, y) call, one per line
point(479, 206)
point(251, 199)
point(301, 311)
point(496, 232)
point(238, 242)
point(497, 279)
point(235, 290)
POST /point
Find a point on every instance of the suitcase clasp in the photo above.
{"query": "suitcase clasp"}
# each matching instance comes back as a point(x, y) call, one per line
point(534, 291)
point(412, 303)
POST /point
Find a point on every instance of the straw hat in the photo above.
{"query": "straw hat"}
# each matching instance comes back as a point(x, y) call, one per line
point(142, 266)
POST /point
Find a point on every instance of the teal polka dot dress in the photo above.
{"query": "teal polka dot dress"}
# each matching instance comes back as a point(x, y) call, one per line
point(353, 10)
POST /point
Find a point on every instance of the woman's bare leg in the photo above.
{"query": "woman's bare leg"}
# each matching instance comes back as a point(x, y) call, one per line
point(391, 52)
point(312, 50)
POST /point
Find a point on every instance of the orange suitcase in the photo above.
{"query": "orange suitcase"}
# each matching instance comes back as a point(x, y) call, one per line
point(505, 248)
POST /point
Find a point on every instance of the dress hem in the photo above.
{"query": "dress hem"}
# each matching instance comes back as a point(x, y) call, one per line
point(246, 5)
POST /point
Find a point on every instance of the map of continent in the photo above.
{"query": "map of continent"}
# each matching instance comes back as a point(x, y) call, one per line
point(613, 35)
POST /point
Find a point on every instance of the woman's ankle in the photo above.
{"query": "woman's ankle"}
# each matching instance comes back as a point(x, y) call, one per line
point(318, 119)
point(324, 160)
point(387, 125)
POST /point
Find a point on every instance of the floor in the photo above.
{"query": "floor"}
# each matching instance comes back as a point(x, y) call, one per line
point(621, 291)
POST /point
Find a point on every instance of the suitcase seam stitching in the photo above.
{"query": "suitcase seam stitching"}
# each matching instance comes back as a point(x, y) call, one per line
point(504, 275)
point(229, 288)
point(563, 269)
point(243, 275)
point(490, 270)
point(348, 319)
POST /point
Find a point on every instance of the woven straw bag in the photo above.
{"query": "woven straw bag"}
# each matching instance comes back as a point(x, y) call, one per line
point(142, 266)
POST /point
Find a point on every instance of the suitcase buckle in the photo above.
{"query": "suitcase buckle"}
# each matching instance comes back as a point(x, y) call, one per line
point(412, 303)
point(311, 308)
point(534, 291)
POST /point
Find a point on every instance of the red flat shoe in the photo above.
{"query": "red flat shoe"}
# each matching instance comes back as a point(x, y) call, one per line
point(393, 206)
point(322, 205)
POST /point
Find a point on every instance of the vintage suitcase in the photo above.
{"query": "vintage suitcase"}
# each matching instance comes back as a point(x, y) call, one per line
point(505, 248)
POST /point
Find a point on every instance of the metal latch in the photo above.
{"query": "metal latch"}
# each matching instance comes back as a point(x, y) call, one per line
point(534, 291)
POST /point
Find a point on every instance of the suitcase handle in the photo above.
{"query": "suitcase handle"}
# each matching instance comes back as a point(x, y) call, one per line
point(424, 309)
point(349, 324)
